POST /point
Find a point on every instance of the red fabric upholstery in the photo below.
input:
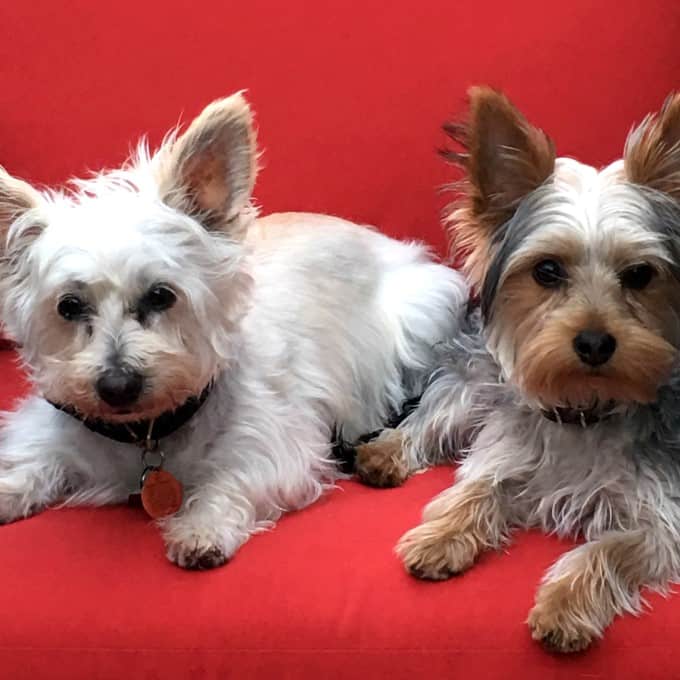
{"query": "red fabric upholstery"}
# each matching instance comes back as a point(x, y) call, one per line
point(88, 594)
point(349, 99)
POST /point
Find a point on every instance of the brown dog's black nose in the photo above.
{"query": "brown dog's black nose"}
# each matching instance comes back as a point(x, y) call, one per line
point(119, 387)
point(594, 347)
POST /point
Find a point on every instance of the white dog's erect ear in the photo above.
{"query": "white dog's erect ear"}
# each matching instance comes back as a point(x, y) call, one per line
point(20, 206)
point(652, 152)
point(16, 199)
point(210, 170)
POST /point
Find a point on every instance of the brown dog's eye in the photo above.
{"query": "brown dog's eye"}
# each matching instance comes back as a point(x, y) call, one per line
point(549, 273)
point(637, 277)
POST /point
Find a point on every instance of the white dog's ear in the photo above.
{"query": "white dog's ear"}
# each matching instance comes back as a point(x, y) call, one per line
point(20, 205)
point(209, 171)
point(652, 152)
point(16, 199)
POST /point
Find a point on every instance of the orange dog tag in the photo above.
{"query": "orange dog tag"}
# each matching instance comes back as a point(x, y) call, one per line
point(161, 494)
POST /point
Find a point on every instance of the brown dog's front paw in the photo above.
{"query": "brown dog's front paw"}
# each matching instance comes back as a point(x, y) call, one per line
point(381, 462)
point(555, 622)
point(196, 558)
point(434, 556)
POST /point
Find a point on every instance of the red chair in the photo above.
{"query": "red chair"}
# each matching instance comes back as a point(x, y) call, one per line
point(349, 97)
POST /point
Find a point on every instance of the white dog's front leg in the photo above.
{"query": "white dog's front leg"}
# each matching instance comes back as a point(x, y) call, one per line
point(31, 471)
point(209, 528)
point(47, 457)
point(217, 517)
point(245, 484)
point(27, 487)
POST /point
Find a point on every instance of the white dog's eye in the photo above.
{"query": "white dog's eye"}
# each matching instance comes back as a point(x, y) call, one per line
point(72, 308)
point(159, 298)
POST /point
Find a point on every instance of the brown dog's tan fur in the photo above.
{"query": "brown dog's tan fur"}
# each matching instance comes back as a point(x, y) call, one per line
point(579, 600)
point(382, 462)
point(547, 368)
point(457, 526)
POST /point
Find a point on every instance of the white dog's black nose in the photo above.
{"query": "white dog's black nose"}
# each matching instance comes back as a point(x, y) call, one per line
point(118, 387)
point(594, 347)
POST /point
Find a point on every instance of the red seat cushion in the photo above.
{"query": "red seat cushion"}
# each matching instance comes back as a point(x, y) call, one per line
point(88, 593)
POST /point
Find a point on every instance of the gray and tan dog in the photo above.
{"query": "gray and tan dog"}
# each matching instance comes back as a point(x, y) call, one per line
point(564, 391)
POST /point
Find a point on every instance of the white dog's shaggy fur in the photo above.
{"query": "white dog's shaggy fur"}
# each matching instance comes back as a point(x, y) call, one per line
point(306, 324)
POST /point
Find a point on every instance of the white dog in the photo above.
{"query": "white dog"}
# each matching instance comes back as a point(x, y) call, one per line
point(152, 306)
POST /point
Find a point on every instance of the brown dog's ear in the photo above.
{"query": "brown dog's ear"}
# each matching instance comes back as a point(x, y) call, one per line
point(210, 170)
point(652, 153)
point(505, 158)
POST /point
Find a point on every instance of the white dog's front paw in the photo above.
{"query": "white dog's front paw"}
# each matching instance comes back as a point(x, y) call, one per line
point(14, 508)
point(195, 555)
point(192, 544)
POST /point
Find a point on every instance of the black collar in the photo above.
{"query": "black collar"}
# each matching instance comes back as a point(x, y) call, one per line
point(584, 417)
point(141, 430)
